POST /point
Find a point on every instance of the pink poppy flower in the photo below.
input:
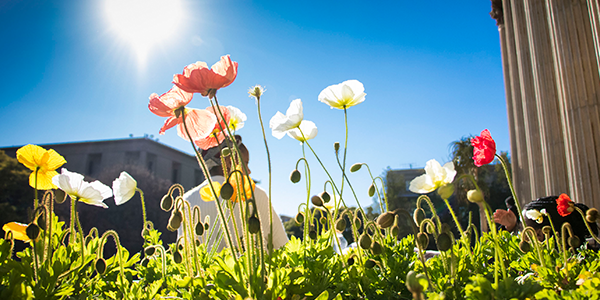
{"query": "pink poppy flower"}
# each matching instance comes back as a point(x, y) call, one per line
point(172, 104)
point(484, 148)
point(216, 135)
point(564, 205)
point(198, 78)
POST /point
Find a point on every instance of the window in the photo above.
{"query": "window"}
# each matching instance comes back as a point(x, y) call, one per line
point(175, 172)
point(198, 177)
point(93, 163)
point(151, 162)
point(132, 157)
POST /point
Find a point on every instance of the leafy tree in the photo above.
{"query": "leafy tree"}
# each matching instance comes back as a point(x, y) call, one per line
point(16, 198)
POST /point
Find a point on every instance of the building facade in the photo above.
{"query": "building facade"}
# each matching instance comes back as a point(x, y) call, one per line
point(90, 158)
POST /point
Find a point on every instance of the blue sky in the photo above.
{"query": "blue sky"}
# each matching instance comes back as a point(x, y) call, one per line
point(432, 73)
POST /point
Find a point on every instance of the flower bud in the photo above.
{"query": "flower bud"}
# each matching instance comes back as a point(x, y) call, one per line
point(430, 228)
point(419, 216)
point(357, 222)
point(33, 231)
point(376, 248)
point(300, 218)
point(336, 146)
point(355, 167)
point(166, 203)
point(475, 196)
point(445, 227)
point(206, 226)
point(591, 215)
point(199, 229)
point(364, 241)
point(395, 230)
point(225, 152)
point(323, 220)
point(197, 243)
point(423, 240)
point(524, 246)
point(386, 219)
point(350, 260)
point(295, 176)
point(446, 191)
point(444, 242)
point(145, 262)
point(574, 241)
point(253, 224)
point(177, 257)
point(371, 190)
point(370, 263)
point(227, 191)
point(175, 221)
point(149, 251)
point(546, 230)
point(41, 221)
point(312, 234)
point(340, 224)
point(60, 196)
point(412, 283)
point(325, 196)
point(100, 265)
point(316, 200)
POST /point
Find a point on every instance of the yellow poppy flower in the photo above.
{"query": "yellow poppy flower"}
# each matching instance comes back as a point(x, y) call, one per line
point(206, 193)
point(248, 184)
point(44, 161)
point(18, 231)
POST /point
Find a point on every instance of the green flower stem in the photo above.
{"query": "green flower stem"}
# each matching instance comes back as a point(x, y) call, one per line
point(35, 201)
point(351, 188)
point(431, 208)
point(530, 232)
point(270, 246)
point(343, 166)
point(103, 240)
point(35, 261)
point(587, 225)
point(308, 213)
point(74, 200)
point(510, 184)
point(498, 251)
point(207, 176)
point(462, 233)
point(326, 172)
point(565, 227)
point(423, 228)
point(161, 250)
point(556, 237)
point(143, 207)
point(421, 254)
point(192, 237)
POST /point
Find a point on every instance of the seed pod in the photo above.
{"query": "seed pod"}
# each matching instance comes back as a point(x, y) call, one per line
point(33, 231)
point(355, 167)
point(340, 224)
point(419, 216)
point(364, 241)
point(371, 190)
point(446, 191)
point(591, 215)
point(177, 257)
point(386, 219)
point(376, 248)
point(253, 224)
point(295, 176)
point(524, 246)
point(350, 260)
point(312, 234)
point(475, 196)
point(175, 221)
point(300, 218)
point(150, 250)
point(395, 230)
point(546, 230)
point(423, 239)
point(444, 242)
point(100, 265)
point(199, 229)
point(370, 263)
point(166, 203)
point(574, 241)
point(326, 197)
point(226, 191)
point(316, 200)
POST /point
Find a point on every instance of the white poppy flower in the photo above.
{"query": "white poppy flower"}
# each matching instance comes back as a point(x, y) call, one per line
point(92, 193)
point(124, 188)
point(308, 128)
point(434, 177)
point(535, 215)
point(280, 123)
point(343, 95)
point(236, 118)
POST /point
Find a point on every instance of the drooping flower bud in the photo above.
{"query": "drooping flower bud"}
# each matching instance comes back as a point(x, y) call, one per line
point(370, 263)
point(316, 201)
point(340, 224)
point(199, 229)
point(350, 260)
point(32, 231)
point(376, 248)
point(475, 196)
point(312, 234)
point(175, 221)
point(225, 152)
point(150, 250)
point(446, 191)
point(412, 283)
point(100, 266)
point(524, 246)
point(323, 220)
point(364, 241)
point(227, 191)
point(419, 216)
point(371, 190)
point(325, 196)
point(253, 224)
point(444, 242)
point(166, 203)
point(300, 218)
point(41, 221)
point(423, 240)
point(395, 230)
point(591, 215)
point(574, 241)
point(386, 219)
point(177, 258)
point(295, 176)
point(355, 167)
point(546, 230)
point(145, 262)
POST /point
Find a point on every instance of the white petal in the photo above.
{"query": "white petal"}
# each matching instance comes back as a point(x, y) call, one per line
point(356, 86)
point(295, 113)
point(105, 191)
point(236, 117)
point(309, 131)
point(450, 172)
point(124, 188)
point(422, 185)
point(434, 170)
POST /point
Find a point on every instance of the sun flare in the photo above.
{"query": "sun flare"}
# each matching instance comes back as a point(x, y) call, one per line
point(143, 23)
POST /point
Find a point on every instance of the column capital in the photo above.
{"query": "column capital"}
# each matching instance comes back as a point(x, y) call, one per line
point(497, 12)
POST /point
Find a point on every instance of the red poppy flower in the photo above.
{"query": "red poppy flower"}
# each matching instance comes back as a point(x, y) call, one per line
point(216, 135)
point(484, 148)
point(198, 78)
point(172, 104)
point(564, 205)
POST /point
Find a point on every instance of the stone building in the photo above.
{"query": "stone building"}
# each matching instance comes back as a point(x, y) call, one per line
point(91, 157)
point(551, 61)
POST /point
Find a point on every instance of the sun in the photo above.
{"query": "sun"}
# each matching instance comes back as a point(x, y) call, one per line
point(144, 23)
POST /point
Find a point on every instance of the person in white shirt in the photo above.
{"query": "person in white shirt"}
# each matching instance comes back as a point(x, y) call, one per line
point(212, 158)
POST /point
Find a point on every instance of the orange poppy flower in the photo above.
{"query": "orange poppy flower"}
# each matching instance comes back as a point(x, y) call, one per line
point(216, 136)
point(198, 78)
point(237, 181)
